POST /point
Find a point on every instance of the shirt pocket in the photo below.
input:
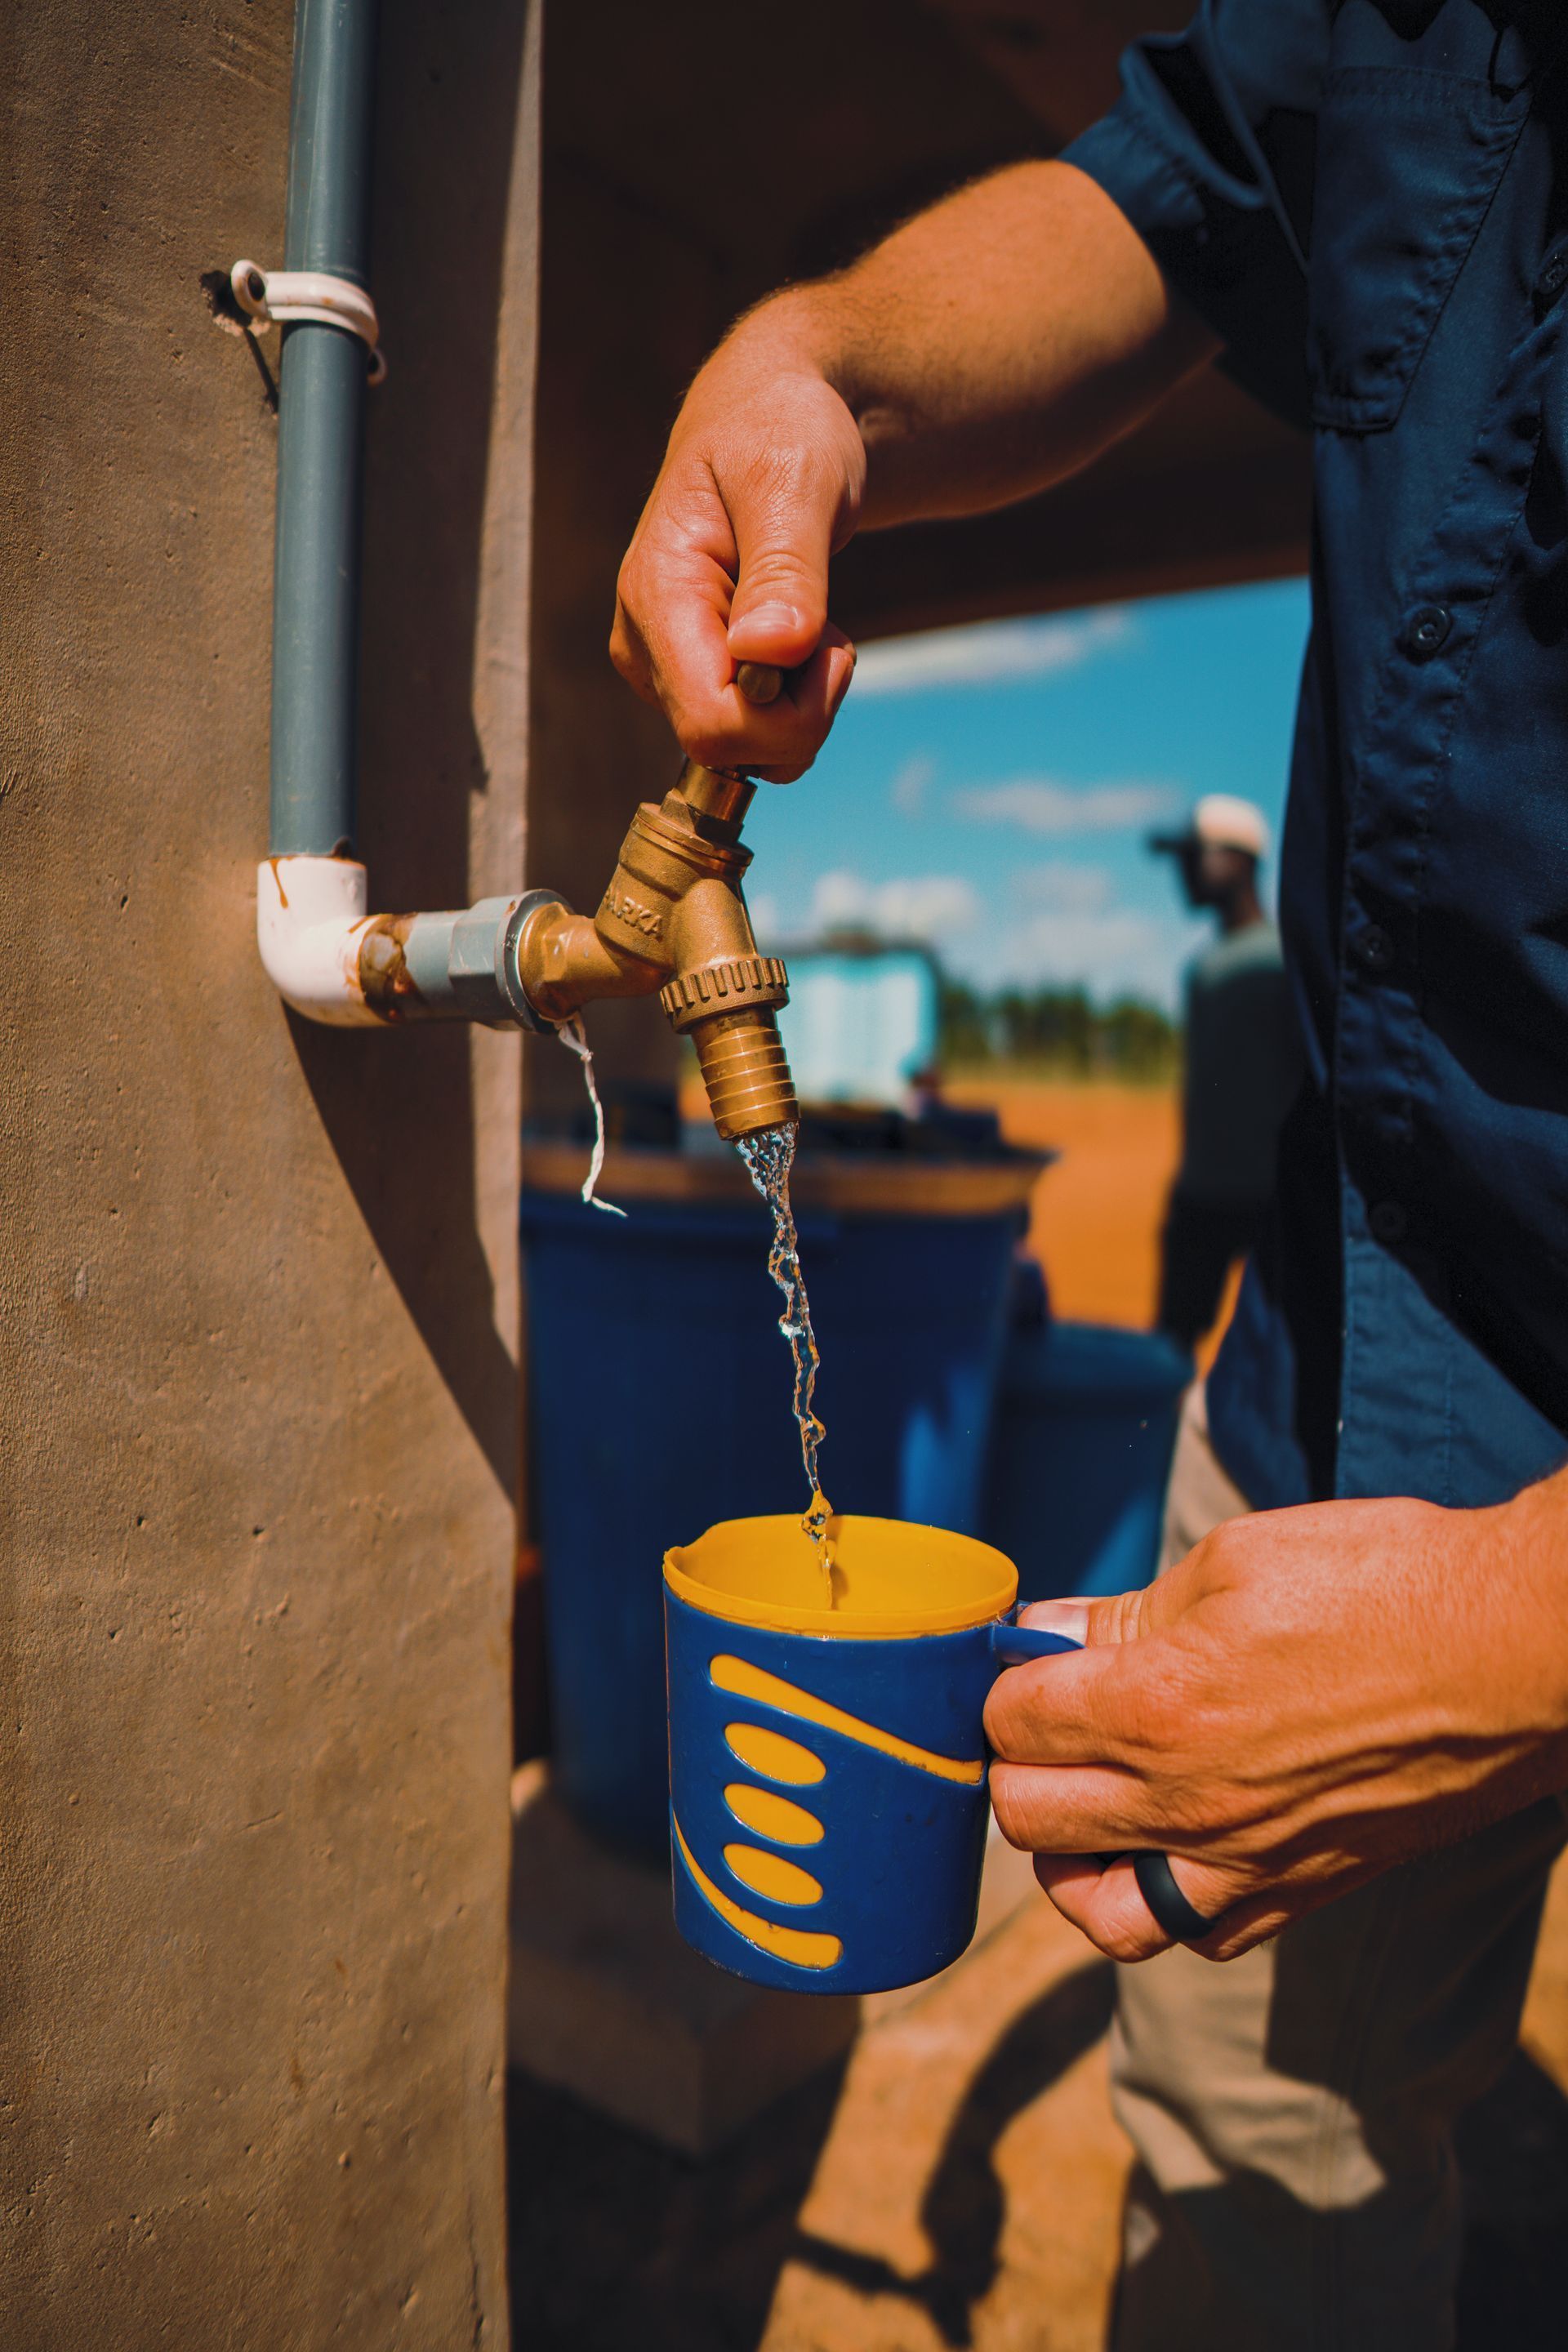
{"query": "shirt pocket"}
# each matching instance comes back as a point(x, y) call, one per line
point(1408, 161)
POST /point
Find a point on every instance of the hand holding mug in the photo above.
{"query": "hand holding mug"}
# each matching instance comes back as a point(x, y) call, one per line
point(1310, 1697)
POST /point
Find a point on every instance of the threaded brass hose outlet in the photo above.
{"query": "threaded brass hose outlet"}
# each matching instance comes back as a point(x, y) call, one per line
point(742, 1058)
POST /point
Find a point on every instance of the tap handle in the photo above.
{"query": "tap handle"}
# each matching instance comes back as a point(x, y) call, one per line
point(759, 683)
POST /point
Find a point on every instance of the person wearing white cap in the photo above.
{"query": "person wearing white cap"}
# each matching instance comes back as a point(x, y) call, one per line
point(1243, 1067)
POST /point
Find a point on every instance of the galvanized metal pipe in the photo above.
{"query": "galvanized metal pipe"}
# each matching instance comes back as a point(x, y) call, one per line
point(321, 391)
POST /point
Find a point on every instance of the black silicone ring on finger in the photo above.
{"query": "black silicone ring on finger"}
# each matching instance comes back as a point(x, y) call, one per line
point(1170, 1906)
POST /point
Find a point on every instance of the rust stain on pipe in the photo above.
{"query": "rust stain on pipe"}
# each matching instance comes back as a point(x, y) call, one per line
point(383, 975)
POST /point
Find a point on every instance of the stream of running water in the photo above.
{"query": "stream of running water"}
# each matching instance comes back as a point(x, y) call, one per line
point(769, 1158)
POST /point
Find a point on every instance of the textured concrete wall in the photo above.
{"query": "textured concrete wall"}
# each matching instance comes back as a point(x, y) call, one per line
point(257, 1298)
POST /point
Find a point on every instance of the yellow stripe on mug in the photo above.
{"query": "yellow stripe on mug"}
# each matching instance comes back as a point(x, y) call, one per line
point(798, 1946)
point(770, 1875)
point(746, 1681)
point(773, 1816)
point(771, 1757)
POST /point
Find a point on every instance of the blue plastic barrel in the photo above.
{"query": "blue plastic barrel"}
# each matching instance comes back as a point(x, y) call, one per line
point(660, 1386)
point(1086, 1425)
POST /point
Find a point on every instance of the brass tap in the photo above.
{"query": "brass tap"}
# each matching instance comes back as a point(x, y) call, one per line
point(674, 921)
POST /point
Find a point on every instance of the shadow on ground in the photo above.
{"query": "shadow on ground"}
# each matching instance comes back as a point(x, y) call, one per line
point(1513, 2153)
point(964, 2207)
point(616, 2241)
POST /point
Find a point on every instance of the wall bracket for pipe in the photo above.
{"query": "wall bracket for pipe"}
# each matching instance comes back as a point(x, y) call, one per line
point(287, 298)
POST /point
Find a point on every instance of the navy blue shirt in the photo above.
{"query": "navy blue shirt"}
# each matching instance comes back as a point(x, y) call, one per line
point(1368, 201)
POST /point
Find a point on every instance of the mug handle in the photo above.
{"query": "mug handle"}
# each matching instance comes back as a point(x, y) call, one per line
point(1013, 1645)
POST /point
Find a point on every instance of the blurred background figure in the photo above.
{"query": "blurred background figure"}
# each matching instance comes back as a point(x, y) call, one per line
point(1243, 1066)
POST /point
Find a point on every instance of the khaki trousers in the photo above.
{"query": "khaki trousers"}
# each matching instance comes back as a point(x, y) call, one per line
point(1292, 2111)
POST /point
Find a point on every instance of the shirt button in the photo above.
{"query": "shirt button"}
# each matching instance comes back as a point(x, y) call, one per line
point(1553, 276)
point(1388, 1221)
point(1372, 948)
point(1426, 631)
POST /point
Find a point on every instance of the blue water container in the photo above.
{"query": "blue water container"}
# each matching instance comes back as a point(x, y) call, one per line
point(660, 1388)
point(1086, 1425)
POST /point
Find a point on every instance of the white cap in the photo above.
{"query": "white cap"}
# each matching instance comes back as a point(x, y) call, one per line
point(1222, 821)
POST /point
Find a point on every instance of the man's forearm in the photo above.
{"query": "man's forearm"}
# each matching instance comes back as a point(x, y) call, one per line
point(992, 345)
point(982, 352)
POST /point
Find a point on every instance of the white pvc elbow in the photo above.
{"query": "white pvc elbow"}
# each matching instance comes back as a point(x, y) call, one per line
point(311, 916)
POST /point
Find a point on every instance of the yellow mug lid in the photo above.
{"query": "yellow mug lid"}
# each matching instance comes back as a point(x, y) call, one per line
point(890, 1576)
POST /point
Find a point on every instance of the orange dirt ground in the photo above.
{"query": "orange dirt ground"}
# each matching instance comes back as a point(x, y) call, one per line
point(959, 2183)
point(1097, 1213)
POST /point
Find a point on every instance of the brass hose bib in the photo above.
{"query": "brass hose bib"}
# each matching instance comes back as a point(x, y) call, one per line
point(674, 921)
point(729, 1011)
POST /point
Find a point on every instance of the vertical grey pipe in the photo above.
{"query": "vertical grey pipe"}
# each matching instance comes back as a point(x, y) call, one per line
point(322, 389)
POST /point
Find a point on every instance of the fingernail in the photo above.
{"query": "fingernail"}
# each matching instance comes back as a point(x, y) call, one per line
point(768, 617)
point(1069, 1618)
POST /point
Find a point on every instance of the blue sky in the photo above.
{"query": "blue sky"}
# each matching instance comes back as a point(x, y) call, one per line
point(989, 788)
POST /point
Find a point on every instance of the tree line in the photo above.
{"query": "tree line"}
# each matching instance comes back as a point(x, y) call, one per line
point(1058, 1030)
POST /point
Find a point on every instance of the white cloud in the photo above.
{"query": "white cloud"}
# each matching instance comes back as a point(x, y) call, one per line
point(1041, 804)
point(933, 906)
point(991, 651)
point(908, 790)
point(1067, 926)
point(1064, 888)
point(1102, 946)
point(1110, 949)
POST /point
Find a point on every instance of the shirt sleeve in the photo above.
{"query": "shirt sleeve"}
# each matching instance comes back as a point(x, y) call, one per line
point(1209, 154)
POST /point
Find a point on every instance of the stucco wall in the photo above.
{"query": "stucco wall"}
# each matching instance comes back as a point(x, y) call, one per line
point(257, 1298)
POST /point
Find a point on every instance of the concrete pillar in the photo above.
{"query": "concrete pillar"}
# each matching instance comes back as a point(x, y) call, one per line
point(257, 1293)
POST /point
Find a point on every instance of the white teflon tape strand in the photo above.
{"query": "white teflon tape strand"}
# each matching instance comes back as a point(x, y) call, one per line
point(575, 1038)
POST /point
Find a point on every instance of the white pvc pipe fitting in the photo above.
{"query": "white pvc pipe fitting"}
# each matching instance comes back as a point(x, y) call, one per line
point(311, 916)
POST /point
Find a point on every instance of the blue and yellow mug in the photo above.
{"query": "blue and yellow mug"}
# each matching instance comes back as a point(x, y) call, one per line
point(827, 1765)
